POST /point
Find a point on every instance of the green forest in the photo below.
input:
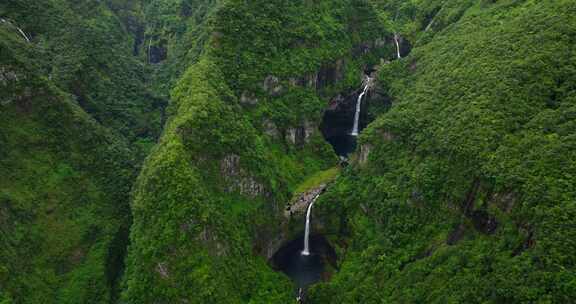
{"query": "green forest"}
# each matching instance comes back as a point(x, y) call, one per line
point(186, 151)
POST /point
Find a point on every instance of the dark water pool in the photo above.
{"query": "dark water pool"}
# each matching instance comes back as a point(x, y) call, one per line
point(343, 144)
point(304, 270)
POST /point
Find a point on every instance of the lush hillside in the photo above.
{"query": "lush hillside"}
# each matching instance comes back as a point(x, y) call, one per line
point(64, 183)
point(75, 121)
point(241, 135)
point(149, 150)
point(86, 49)
point(467, 194)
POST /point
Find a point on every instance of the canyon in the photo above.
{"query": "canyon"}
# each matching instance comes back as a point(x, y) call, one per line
point(342, 151)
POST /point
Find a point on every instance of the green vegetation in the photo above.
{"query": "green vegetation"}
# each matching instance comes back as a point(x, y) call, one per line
point(207, 203)
point(75, 120)
point(480, 132)
point(317, 179)
point(64, 181)
point(183, 127)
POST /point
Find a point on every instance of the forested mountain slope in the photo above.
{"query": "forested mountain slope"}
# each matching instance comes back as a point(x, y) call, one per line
point(241, 135)
point(75, 121)
point(64, 183)
point(149, 149)
point(466, 189)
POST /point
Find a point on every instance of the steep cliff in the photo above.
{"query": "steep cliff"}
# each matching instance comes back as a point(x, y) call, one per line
point(241, 135)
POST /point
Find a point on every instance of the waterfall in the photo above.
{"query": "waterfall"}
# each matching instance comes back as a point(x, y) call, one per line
point(359, 107)
point(306, 250)
point(396, 38)
point(17, 28)
point(23, 34)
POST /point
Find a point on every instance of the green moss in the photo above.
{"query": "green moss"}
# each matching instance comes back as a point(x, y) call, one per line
point(317, 179)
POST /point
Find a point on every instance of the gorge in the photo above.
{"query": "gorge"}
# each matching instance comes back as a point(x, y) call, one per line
point(330, 151)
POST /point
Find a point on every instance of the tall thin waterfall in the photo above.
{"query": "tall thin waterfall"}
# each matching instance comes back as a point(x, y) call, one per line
point(17, 28)
point(306, 250)
point(396, 40)
point(359, 107)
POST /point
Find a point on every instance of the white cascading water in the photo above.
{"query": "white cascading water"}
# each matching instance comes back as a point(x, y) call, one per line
point(306, 250)
point(17, 28)
point(396, 40)
point(359, 107)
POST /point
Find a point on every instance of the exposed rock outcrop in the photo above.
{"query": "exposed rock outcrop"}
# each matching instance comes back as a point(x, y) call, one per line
point(270, 129)
point(484, 222)
point(368, 46)
point(300, 204)
point(339, 116)
point(330, 74)
point(237, 180)
point(291, 135)
point(10, 90)
point(248, 98)
point(7, 76)
point(157, 53)
point(300, 135)
point(291, 223)
point(309, 130)
point(505, 201)
point(272, 85)
point(215, 246)
point(162, 270)
point(364, 153)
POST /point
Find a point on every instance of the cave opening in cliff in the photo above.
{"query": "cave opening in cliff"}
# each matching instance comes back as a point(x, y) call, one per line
point(338, 122)
point(305, 270)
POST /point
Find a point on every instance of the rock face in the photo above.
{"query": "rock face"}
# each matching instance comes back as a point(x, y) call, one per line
point(307, 81)
point(300, 205)
point(248, 98)
point(10, 91)
point(7, 76)
point(291, 223)
point(484, 222)
point(162, 270)
point(309, 130)
point(215, 246)
point(368, 46)
point(505, 201)
point(157, 53)
point(272, 85)
point(291, 135)
point(405, 46)
point(330, 74)
point(301, 134)
point(270, 129)
point(236, 178)
point(338, 118)
point(364, 153)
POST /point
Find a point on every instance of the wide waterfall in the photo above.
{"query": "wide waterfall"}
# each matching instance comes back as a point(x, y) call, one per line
point(359, 106)
point(306, 250)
